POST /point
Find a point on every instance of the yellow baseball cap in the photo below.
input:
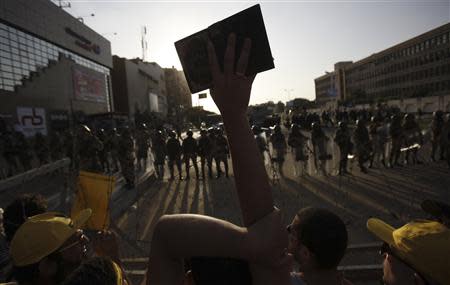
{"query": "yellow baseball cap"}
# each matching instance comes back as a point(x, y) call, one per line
point(43, 234)
point(423, 244)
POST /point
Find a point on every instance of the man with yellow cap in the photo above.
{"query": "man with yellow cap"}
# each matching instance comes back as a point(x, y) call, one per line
point(416, 253)
point(47, 247)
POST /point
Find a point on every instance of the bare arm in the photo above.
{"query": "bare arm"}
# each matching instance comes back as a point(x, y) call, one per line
point(231, 93)
point(177, 237)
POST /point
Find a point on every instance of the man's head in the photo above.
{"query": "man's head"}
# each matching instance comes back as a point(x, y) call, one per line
point(317, 239)
point(438, 210)
point(416, 253)
point(48, 247)
point(99, 271)
point(19, 210)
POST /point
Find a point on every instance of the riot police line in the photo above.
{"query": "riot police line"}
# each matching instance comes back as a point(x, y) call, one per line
point(388, 139)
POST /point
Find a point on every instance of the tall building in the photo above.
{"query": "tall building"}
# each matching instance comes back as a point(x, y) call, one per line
point(416, 68)
point(178, 93)
point(51, 65)
point(138, 86)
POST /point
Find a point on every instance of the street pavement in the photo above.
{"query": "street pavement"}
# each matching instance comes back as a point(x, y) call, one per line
point(393, 195)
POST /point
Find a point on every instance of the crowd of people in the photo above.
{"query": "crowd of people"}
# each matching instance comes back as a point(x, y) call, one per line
point(365, 139)
point(49, 248)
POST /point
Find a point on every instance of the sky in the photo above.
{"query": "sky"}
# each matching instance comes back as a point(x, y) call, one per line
point(306, 37)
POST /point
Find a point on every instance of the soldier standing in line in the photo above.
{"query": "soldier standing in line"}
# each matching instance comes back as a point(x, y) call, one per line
point(446, 138)
point(377, 146)
point(9, 153)
point(173, 147)
point(69, 145)
point(279, 146)
point(397, 137)
point(190, 153)
point(103, 153)
point(113, 146)
point(205, 152)
point(126, 157)
point(436, 131)
point(319, 140)
point(159, 151)
point(24, 151)
point(57, 146)
point(362, 144)
point(143, 144)
point(343, 141)
point(41, 149)
point(297, 141)
point(260, 141)
point(89, 147)
point(221, 152)
point(413, 138)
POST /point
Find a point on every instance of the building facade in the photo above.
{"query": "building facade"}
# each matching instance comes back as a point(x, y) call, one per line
point(416, 68)
point(51, 65)
point(138, 87)
point(179, 97)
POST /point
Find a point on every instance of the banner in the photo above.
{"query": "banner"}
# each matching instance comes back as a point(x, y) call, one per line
point(31, 121)
point(89, 85)
point(202, 96)
point(94, 192)
point(153, 101)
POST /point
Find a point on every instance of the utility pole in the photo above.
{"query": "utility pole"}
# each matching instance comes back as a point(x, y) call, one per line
point(144, 41)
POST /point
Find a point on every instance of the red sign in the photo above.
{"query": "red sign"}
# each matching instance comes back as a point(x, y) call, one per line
point(89, 85)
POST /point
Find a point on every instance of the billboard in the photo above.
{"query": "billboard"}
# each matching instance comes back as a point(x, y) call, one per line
point(31, 121)
point(88, 85)
point(153, 102)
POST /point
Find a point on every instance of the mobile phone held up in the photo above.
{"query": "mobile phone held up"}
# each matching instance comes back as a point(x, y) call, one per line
point(193, 54)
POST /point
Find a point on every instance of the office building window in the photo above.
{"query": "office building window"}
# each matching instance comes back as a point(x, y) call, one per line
point(21, 54)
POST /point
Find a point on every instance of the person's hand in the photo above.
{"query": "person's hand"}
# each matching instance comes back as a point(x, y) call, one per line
point(105, 244)
point(231, 88)
point(267, 241)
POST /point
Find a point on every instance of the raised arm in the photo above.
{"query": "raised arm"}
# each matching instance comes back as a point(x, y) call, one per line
point(177, 237)
point(231, 93)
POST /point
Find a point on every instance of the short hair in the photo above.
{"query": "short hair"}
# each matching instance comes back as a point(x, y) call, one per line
point(23, 207)
point(220, 271)
point(324, 234)
point(95, 271)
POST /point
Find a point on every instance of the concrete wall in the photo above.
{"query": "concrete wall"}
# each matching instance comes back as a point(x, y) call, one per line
point(46, 20)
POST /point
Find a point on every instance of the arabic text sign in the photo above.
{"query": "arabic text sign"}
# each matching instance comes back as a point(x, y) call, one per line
point(89, 85)
point(31, 121)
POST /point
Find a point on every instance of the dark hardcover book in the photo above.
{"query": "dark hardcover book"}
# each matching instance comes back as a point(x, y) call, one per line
point(193, 55)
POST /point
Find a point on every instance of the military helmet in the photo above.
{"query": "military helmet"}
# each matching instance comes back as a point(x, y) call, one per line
point(315, 126)
point(295, 128)
point(360, 123)
point(409, 117)
point(85, 128)
point(256, 129)
point(342, 125)
point(172, 134)
point(203, 132)
point(189, 133)
point(144, 126)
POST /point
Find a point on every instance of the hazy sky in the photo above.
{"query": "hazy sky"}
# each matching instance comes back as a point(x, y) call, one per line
point(306, 37)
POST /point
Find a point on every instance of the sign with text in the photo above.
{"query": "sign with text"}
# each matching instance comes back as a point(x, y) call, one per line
point(31, 121)
point(89, 85)
point(153, 102)
point(202, 96)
